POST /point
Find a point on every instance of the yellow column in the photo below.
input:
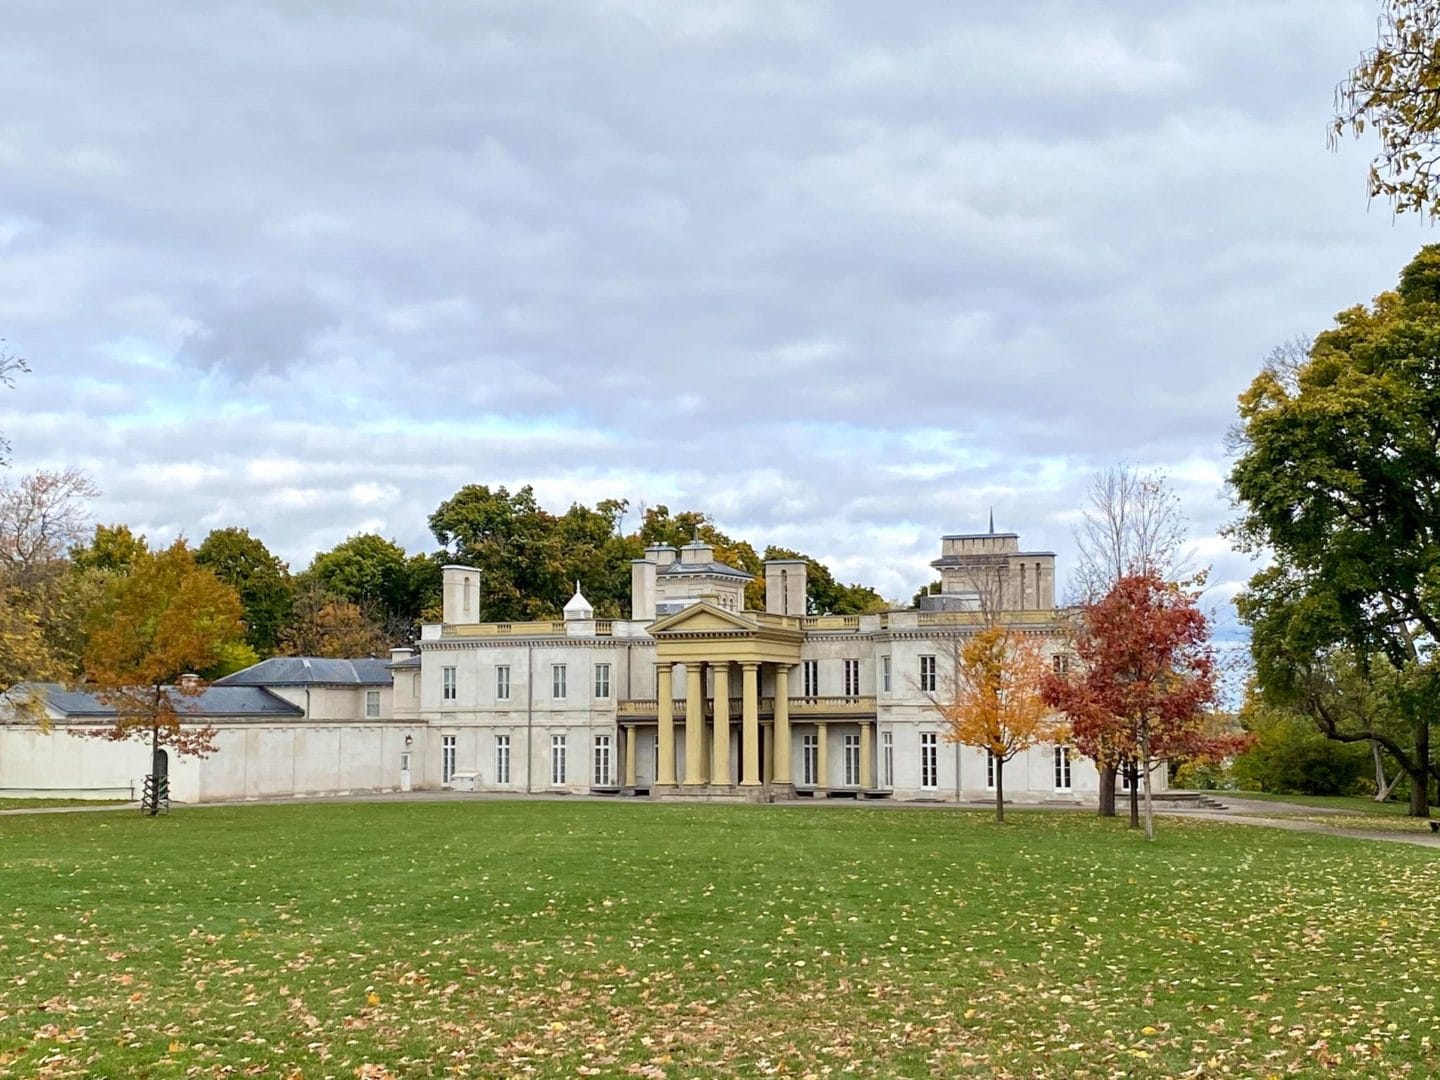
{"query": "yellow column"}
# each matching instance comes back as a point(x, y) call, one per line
point(665, 710)
point(750, 725)
point(782, 724)
point(867, 771)
point(767, 771)
point(630, 756)
point(720, 756)
point(694, 723)
point(822, 755)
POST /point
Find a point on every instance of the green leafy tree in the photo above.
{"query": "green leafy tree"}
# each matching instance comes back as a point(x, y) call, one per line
point(112, 548)
point(659, 526)
point(1291, 757)
point(1338, 477)
point(1393, 91)
point(262, 581)
point(391, 588)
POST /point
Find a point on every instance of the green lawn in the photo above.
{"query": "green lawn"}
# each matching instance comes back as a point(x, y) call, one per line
point(1347, 803)
point(591, 939)
point(42, 804)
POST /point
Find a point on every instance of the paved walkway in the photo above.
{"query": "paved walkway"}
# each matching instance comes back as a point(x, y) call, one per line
point(1239, 811)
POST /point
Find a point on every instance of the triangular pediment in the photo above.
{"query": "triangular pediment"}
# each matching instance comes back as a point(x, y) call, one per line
point(702, 617)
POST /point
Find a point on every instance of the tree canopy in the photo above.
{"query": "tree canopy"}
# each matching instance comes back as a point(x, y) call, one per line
point(261, 580)
point(1338, 477)
point(1393, 90)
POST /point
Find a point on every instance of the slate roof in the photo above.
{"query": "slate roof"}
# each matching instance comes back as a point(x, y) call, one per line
point(716, 568)
point(213, 701)
point(310, 671)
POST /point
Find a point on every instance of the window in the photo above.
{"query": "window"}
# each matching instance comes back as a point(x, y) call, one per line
point(810, 760)
point(557, 681)
point(887, 759)
point(447, 682)
point(852, 760)
point(1062, 663)
point(447, 758)
point(372, 704)
point(810, 669)
point(602, 759)
point(502, 759)
point(852, 678)
point(502, 682)
point(557, 760)
point(929, 760)
point(989, 770)
point(1122, 777)
point(1062, 768)
point(927, 674)
point(602, 680)
point(885, 674)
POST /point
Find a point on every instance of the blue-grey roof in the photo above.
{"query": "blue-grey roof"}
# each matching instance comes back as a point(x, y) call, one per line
point(716, 568)
point(213, 701)
point(311, 671)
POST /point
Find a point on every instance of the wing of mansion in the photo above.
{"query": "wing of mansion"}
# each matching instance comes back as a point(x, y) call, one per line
point(691, 697)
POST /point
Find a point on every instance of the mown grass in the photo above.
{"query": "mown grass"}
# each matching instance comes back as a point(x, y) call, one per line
point(45, 804)
point(486, 938)
point(1346, 803)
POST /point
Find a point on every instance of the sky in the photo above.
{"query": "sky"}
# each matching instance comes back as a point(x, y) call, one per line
point(845, 275)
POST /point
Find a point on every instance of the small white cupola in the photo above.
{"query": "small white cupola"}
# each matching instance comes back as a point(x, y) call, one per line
point(578, 608)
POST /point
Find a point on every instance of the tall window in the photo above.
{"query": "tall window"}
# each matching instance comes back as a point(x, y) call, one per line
point(989, 770)
point(557, 681)
point(602, 680)
point(852, 760)
point(929, 760)
point(502, 759)
point(447, 758)
point(810, 669)
point(602, 760)
point(852, 678)
point(1062, 663)
point(447, 683)
point(372, 704)
point(557, 760)
point(1062, 768)
point(885, 674)
point(927, 673)
point(502, 682)
point(810, 760)
point(887, 759)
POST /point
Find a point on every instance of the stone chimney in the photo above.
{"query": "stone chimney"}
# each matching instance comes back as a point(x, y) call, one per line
point(642, 590)
point(785, 587)
point(460, 595)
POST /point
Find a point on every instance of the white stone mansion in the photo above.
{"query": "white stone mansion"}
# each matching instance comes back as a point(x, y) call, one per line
point(692, 697)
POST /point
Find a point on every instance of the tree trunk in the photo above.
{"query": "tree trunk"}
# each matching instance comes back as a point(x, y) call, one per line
point(154, 749)
point(1133, 776)
point(1420, 777)
point(999, 789)
point(1107, 790)
point(1149, 804)
point(1383, 787)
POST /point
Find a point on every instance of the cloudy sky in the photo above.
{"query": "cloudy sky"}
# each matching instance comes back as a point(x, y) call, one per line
point(846, 274)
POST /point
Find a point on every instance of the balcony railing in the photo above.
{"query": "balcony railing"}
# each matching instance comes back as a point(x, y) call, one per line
point(800, 707)
point(507, 629)
point(831, 622)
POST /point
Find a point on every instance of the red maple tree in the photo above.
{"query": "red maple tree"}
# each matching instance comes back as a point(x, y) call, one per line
point(1146, 681)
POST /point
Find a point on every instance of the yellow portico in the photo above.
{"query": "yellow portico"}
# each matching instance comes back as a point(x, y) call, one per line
point(721, 651)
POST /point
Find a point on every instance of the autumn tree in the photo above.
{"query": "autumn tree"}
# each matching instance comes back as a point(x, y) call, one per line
point(163, 621)
point(1132, 523)
point(1393, 91)
point(111, 548)
point(322, 624)
point(1145, 681)
point(262, 581)
point(991, 699)
point(41, 600)
point(1338, 482)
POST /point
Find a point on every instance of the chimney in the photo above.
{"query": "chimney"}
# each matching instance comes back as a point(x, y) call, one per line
point(642, 590)
point(189, 683)
point(460, 595)
point(401, 654)
point(785, 587)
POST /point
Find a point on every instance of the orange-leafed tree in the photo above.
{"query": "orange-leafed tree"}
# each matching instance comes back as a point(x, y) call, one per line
point(164, 620)
point(991, 699)
point(1146, 680)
